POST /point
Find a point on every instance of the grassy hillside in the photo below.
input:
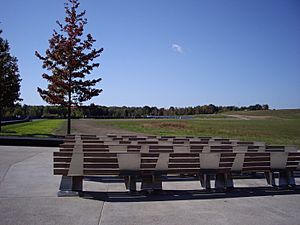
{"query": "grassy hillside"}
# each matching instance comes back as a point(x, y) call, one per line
point(39, 128)
point(272, 127)
point(271, 114)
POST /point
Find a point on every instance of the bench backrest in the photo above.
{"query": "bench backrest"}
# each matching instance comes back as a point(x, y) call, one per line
point(100, 163)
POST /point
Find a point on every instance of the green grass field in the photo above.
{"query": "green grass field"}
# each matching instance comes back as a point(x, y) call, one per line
point(271, 114)
point(39, 128)
point(272, 127)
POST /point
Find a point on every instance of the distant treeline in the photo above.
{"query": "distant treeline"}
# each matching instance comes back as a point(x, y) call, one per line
point(97, 111)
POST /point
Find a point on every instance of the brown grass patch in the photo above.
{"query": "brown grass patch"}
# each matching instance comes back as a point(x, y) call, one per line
point(167, 125)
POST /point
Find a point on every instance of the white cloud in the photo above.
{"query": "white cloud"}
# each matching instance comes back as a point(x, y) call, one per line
point(177, 48)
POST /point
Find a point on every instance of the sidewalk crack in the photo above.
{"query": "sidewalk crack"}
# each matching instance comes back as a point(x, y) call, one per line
point(10, 166)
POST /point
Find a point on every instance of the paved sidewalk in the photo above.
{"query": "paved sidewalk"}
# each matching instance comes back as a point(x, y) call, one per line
point(28, 197)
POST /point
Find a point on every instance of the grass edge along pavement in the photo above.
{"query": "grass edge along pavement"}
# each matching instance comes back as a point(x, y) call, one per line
point(38, 128)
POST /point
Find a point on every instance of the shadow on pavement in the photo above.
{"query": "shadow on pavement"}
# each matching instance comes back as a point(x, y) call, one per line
point(175, 195)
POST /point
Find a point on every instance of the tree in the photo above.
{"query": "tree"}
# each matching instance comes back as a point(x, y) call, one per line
point(9, 78)
point(265, 107)
point(69, 59)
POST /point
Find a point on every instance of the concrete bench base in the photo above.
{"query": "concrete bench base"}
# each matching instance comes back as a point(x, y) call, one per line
point(70, 186)
point(285, 179)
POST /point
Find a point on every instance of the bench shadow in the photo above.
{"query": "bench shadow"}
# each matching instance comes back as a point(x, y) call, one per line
point(119, 179)
point(176, 195)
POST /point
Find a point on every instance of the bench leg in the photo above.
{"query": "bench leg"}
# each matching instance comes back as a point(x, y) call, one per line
point(291, 178)
point(224, 180)
point(220, 182)
point(70, 186)
point(270, 177)
point(77, 183)
point(126, 181)
point(130, 183)
point(229, 181)
point(147, 182)
point(283, 179)
point(152, 182)
point(205, 181)
point(157, 182)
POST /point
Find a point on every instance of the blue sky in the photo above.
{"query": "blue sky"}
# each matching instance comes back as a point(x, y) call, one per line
point(172, 52)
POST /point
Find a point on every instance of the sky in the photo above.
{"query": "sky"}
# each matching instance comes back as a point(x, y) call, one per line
point(171, 52)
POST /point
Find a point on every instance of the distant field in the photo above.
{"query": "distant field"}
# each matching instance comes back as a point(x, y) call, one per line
point(40, 128)
point(272, 127)
point(271, 114)
point(275, 127)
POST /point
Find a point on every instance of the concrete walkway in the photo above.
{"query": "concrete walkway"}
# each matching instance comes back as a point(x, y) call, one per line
point(28, 195)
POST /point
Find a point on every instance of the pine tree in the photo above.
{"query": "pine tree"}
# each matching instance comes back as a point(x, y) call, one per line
point(69, 59)
point(9, 78)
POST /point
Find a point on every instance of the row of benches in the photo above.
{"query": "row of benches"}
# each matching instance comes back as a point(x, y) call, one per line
point(77, 159)
point(130, 139)
point(107, 144)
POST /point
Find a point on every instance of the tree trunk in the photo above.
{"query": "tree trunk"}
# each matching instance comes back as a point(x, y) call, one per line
point(69, 114)
point(69, 103)
point(0, 119)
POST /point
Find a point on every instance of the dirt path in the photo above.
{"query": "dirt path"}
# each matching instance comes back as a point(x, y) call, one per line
point(88, 126)
point(247, 117)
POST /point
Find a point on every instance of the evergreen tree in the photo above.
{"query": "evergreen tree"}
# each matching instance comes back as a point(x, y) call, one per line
point(69, 59)
point(9, 78)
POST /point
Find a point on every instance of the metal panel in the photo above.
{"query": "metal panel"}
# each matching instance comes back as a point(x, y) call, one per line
point(162, 161)
point(130, 161)
point(209, 160)
point(238, 162)
point(278, 160)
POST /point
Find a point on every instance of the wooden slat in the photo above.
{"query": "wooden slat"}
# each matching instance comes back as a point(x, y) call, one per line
point(255, 154)
point(221, 150)
point(257, 159)
point(225, 164)
point(100, 154)
point(95, 150)
point(161, 150)
point(183, 171)
point(228, 154)
point(100, 160)
point(125, 142)
point(61, 165)
point(160, 147)
point(101, 165)
point(198, 142)
point(149, 160)
point(101, 172)
point(226, 159)
point(60, 172)
point(61, 159)
point(148, 165)
point(99, 146)
point(256, 169)
point(255, 164)
point(225, 147)
point(62, 154)
point(173, 155)
point(196, 147)
point(92, 141)
point(184, 165)
point(188, 160)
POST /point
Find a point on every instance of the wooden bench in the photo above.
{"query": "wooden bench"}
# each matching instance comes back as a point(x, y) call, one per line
point(149, 163)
